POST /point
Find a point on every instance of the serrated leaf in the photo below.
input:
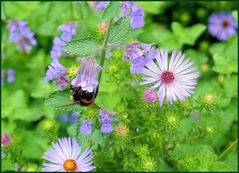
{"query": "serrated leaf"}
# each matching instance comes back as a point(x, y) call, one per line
point(83, 46)
point(60, 99)
point(120, 31)
point(111, 10)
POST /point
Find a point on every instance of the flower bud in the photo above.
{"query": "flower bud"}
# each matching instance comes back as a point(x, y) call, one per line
point(221, 78)
point(148, 164)
point(209, 100)
point(6, 140)
point(205, 68)
point(121, 131)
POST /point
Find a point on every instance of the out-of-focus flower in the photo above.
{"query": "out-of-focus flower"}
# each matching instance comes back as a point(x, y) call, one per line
point(64, 156)
point(21, 34)
point(139, 54)
point(6, 140)
point(68, 30)
point(135, 12)
point(174, 80)
point(222, 25)
point(74, 117)
point(57, 71)
point(63, 117)
point(105, 114)
point(86, 128)
point(106, 117)
point(98, 5)
point(11, 76)
point(106, 126)
point(150, 96)
point(87, 75)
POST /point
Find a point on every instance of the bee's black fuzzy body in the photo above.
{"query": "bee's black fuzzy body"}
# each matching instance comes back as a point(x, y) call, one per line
point(84, 98)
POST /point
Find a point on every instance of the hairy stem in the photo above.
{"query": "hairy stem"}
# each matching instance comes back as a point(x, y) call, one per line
point(228, 150)
point(78, 128)
point(103, 53)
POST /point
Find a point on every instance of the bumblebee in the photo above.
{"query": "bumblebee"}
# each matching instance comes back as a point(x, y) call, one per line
point(84, 98)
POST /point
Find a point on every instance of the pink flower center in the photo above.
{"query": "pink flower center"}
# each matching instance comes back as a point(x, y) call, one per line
point(70, 165)
point(121, 130)
point(225, 24)
point(167, 77)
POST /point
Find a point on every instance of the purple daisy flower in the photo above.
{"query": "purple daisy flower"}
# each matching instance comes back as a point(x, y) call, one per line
point(106, 126)
point(56, 70)
point(11, 76)
point(21, 34)
point(150, 96)
point(98, 5)
point(65, 156)
point(174, 79)
point(135, 12)
point(86, 128)
point(222, 25)
point(87, 75)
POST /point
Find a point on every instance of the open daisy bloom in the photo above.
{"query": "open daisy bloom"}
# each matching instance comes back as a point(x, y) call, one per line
point(222, 25)
point(65, 157)
point(174, 78)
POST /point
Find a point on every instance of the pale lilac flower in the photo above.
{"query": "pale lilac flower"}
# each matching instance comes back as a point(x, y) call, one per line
point(222, 25)
point(135, 12)
point(74, 117)
point(57, 71)
point(11, 76)
point(98, 5)
point(105, 114)
point(87, 75)
point(21, 34)
point(139, 54)
point(106, 126)
point(68, 31)
point(63, 117)
point(86, 128)
point(175, 79)
point(150, 96)
point(64, 156)
point(6, 140)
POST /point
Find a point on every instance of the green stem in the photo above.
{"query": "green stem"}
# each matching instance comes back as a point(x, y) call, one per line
point(102, 60)
point(228, 150)
point(78, 129)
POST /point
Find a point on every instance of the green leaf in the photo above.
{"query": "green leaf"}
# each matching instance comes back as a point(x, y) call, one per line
point(113, 9)
point(120, 30)
point(41, 90)
point(225, 56)
point(230, 85)
point(83, 46)
point(198, 57)
point(61, 100)
point(187, 35)
point(235, 15)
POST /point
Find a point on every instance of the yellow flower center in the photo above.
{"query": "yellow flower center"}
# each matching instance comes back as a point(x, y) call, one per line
point(70, 165)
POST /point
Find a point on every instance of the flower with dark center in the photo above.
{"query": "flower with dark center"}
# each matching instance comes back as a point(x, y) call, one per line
point(222, 25)
point(175, 79)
